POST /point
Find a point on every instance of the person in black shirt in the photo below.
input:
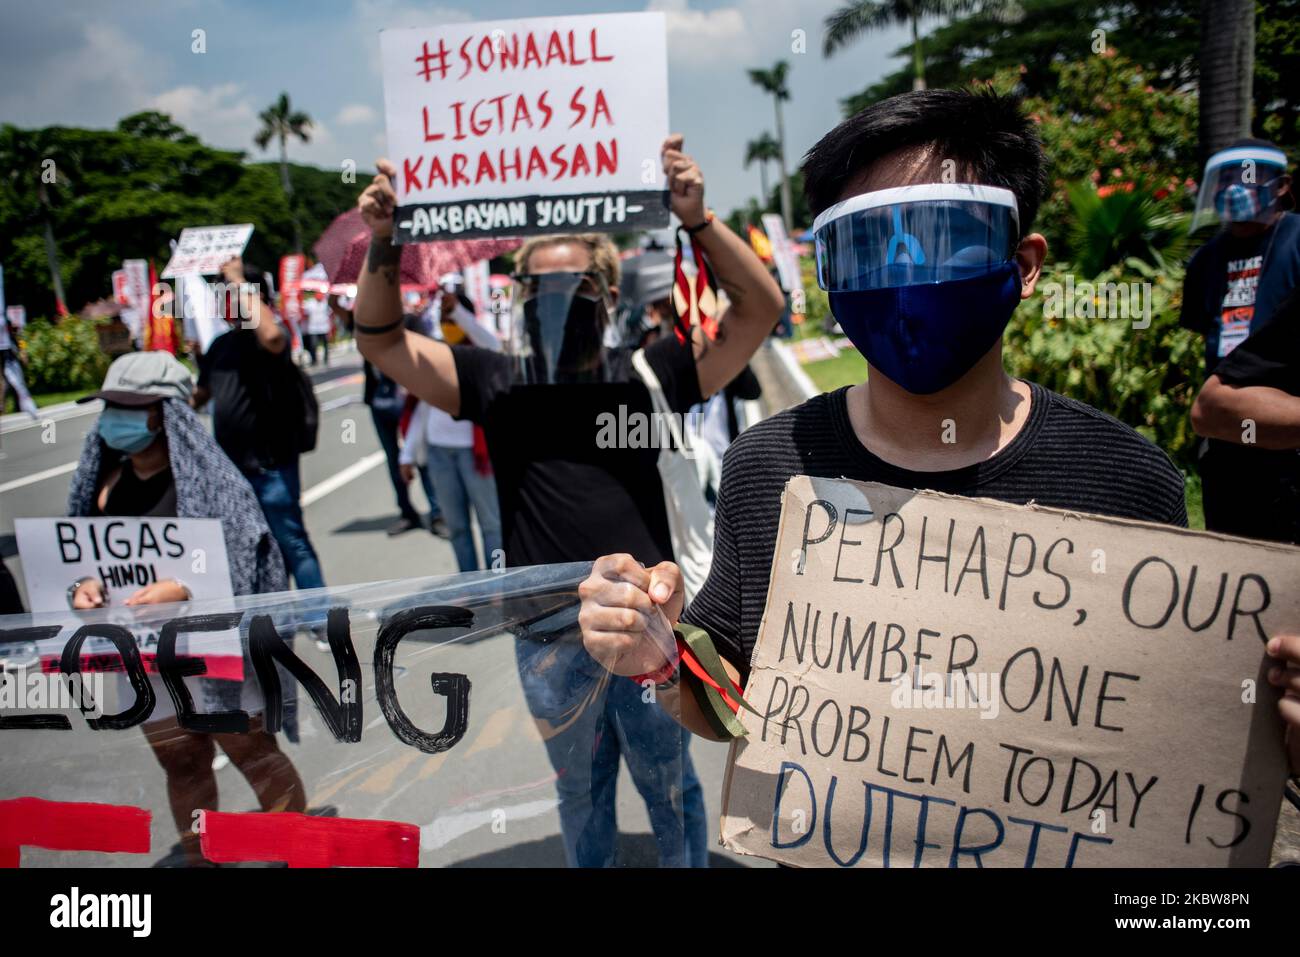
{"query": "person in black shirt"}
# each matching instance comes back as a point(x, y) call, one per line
point(565, 494)
point(1017, 441)
point(1233, 295)
point(248, 372)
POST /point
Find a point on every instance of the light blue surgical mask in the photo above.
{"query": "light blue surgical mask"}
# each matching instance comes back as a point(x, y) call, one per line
point(126, 430)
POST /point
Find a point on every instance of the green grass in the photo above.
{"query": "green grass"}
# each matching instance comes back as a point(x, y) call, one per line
point(49, 398)
point(1195, 505)
point(848, 368)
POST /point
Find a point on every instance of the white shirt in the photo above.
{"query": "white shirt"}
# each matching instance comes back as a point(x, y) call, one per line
point(318, 317)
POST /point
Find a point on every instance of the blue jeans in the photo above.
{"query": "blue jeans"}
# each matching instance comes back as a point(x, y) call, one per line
point(596, 717)
point(278, 491)
point(386, 426)
point(457, 485)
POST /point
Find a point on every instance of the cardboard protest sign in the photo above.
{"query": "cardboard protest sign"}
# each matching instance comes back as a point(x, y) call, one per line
point(953, 682)
point(126, 554)
point(519, 127)
point(203, 249)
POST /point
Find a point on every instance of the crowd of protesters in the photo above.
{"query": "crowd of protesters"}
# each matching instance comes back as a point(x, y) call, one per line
point(485, 418)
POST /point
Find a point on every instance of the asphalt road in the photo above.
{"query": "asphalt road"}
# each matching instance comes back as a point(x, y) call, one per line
point(489, 800)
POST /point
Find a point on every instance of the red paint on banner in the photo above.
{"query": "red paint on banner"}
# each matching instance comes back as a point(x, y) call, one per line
point(301, 840)
point(66, 826)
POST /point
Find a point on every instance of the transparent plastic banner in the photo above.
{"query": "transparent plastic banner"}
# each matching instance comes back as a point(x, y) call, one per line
point(451, 721)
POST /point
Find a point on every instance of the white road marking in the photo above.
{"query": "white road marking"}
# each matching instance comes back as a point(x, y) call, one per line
point(336, 482)
point(38, 477)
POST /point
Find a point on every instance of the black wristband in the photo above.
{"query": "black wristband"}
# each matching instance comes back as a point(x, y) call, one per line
point(692, 230)
point(359, 329)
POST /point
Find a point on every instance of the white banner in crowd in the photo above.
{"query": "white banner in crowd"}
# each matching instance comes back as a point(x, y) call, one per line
point(202, 249)
point(518, 127)
point(783, 254)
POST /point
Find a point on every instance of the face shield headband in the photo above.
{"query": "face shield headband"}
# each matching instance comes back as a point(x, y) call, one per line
point(560, 329)
point(912, 235)
point(1239, 185)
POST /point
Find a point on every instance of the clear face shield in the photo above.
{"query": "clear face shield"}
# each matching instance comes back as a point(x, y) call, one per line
point(915, 235)
point(561, 329)
point(1240, 185)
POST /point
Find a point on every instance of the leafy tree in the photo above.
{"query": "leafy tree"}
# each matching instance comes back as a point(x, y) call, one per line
point(773, 82)
point(30, 162)
point(280, 121)
point(128, 192)
point(762, 151)
point(862, 16)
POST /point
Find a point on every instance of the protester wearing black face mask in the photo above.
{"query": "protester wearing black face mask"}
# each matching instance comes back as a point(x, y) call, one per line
point(1235, 294)
point(564, 495)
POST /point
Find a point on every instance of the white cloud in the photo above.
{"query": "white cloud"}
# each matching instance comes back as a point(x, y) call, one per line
point(355, 114)
point(699, 36)
point(222, 115)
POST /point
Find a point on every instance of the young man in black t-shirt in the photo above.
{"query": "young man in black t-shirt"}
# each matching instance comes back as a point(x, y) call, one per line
point(566, 492)
point(923, 275)
point(1233, 295)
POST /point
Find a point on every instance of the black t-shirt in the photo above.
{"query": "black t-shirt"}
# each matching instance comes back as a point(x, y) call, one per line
point(563, 496)
point(1252, 491)
point(1068, 455)
point(1235, 285)
point(251, 425)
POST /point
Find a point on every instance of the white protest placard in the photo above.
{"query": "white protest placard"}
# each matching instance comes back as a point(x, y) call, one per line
point(519, 127)
point(126, 554)
point(787, 263)
point(203, 249)
point(953, 682)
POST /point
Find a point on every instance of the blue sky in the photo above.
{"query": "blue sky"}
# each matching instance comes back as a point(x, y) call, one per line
point(90, 62)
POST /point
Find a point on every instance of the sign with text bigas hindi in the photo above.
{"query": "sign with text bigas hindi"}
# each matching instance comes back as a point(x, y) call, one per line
point(522, 127)
point(203, 249)
point(953, 682)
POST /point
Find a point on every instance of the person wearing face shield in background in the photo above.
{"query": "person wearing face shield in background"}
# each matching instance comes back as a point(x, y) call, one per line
point(1240, 292)
point(567, 496)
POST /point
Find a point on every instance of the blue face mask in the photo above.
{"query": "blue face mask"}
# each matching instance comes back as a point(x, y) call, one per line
point(126, 430)
point(927, 336)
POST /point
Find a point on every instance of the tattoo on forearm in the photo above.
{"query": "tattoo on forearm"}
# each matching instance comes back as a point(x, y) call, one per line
point(386, 256)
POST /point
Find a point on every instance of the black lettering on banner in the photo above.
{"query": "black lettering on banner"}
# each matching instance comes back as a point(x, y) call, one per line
point(1132, 580)
point(32, 722)
point(1065, 582)
point(1252, 613)
point(266, 647)
point(844, 527)
point(455, 687)
point(148, 541)
point(1007, 573)
point(177, 549)
point(831, 516)
point(881, 550)
point(124, 641)
point(174, 671)
point(62, 529)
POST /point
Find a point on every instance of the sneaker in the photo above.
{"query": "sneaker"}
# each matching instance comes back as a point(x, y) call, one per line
point(439, 527)
point(403, 524)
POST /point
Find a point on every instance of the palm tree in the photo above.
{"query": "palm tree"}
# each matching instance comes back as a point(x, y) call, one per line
point(24, 155)
point(862, 16)
point(1227, 70)
point(773, 81)
point(279, 122)
point(762, 151)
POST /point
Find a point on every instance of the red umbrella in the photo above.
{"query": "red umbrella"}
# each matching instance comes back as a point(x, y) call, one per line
point(342, 251)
